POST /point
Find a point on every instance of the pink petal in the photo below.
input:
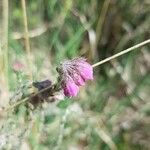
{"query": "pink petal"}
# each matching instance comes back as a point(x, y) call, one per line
point(78, 79)
point(70, 88)
point(86, 71)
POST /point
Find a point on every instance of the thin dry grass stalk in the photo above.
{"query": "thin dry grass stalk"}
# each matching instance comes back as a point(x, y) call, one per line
point(122, 53)
point(26, 36)
point(106, 138)
point(101, 20)
point(4, 51)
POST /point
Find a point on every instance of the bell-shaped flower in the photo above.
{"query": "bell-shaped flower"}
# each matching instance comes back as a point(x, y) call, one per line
point(79, 81)
point(74, 73)
point(70, 88)
point(86, 71)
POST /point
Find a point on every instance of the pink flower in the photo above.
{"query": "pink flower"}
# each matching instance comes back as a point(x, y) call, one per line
point(17, 66)
point(74, 73)
point(86, 71)
point(70, 88)
point(79, 81)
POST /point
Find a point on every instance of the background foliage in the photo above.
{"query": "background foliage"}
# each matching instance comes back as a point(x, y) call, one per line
point(112, 112)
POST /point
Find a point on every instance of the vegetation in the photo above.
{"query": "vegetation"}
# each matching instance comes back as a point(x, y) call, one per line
point(110, 112)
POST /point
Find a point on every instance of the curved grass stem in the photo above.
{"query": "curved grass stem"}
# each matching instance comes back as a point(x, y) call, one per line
point(4, 66)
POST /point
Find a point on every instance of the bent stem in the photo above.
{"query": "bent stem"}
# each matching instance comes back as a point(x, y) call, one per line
point(4, 50)
point(27, 98)
point(121, 53)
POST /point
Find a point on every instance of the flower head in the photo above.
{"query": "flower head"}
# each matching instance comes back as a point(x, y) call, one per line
point(70, 88)
point(74, 73)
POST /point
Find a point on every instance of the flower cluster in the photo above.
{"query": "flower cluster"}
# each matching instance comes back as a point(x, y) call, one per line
point(74, 73)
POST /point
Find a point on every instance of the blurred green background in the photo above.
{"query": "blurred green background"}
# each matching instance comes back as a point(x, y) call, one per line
point(110, 113)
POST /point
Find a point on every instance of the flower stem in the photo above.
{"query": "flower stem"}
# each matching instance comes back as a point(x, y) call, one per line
point(121, 53)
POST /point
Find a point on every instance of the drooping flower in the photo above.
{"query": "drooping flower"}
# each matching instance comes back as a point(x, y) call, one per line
point(74, 73)
point(86, 70)
point(70, 88)
point(77, 78)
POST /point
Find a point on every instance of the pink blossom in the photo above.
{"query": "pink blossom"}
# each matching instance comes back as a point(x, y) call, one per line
point(79, 81)
point(86, 71)
point(74, 73)
point(18, 66)
point(70, 88)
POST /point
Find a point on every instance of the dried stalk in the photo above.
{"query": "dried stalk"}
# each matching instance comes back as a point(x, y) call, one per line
point(122, 53)
point(4, 50)
point(101, 20)
point(26, 36)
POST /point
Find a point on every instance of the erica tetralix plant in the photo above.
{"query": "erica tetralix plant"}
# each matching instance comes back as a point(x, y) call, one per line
point(74, 73)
